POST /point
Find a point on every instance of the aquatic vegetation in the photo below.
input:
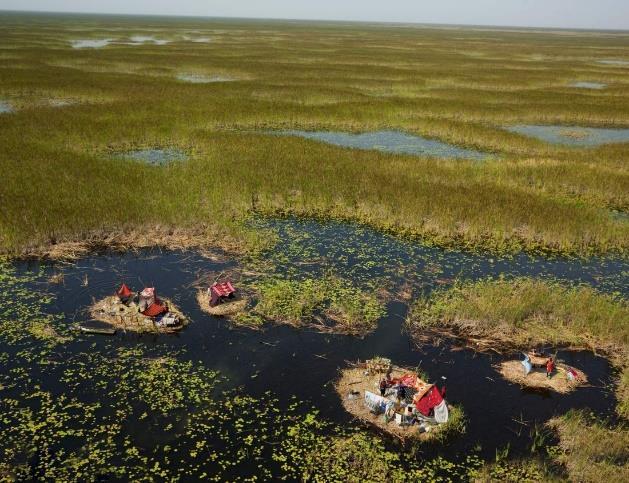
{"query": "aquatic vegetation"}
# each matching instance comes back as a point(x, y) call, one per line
point(526, 311)
point(591, 450)
point(317, 302)
point(454, 427)
point(525, 470)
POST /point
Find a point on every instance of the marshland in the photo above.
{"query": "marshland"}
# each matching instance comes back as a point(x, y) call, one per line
point(372, 190)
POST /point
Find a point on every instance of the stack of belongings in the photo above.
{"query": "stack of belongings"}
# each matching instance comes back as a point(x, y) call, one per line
point(428, 401)
point(221, 292)
point(377, 404)
point(151, 306)
point(411, 399)
point(534, 360)
point(379, 365)
point(125, 294)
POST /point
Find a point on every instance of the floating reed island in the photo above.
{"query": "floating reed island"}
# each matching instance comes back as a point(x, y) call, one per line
point(221, 300)
point(531, 372)
point(409, 409)
point(143, 312)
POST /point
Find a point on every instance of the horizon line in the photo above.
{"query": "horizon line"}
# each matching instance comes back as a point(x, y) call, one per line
point(315, 20)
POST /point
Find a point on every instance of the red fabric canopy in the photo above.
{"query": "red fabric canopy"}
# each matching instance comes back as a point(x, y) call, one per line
point(431, 399)
point(124, 291)
point(155, 309)
point(223, 289)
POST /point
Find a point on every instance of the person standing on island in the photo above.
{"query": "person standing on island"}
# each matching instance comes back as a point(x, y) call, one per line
point(550, 367)
point(383, 387)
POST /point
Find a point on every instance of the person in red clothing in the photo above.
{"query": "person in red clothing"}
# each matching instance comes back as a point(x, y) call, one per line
point(383, 386)
point(550, 367)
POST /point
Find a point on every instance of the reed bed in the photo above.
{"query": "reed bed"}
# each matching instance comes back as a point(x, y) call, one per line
point(531, 195)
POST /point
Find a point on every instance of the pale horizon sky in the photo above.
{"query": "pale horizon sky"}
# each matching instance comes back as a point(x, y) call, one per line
point(589, 14)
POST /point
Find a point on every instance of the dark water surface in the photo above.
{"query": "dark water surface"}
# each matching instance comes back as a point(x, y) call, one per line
point(303, 363)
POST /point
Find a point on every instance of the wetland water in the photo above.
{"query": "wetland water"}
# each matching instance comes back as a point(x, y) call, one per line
point(154, 157)
point(589, 85)
point(391, 142)
point(291, 362)
point(202, 79)
point(573, 135)
point(5, 107)
point(90, 43)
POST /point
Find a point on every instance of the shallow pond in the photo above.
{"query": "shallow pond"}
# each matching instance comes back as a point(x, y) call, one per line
point(199, 40)
point(290, 362)
point(142, 39)
point(5, 107)
point(614, 62)
point(392, 142)
point(202, 79)
point(154, 157)
point(588, 85)
point(573, 135)
point(90, 43)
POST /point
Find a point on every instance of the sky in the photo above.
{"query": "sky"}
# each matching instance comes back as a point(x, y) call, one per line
point(596, 14)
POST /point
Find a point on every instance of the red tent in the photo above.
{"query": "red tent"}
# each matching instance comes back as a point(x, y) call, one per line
point(431, 399)
point(155, 309)
point(220, 291)
point(124, 292)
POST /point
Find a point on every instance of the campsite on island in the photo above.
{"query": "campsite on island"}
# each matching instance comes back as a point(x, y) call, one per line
point(245, 250)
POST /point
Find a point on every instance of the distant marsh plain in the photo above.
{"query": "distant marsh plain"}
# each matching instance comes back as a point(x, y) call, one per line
point(349, 78)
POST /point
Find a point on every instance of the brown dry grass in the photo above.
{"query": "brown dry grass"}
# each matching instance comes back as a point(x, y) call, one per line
point(168, 237)
point(222, 310)
point(513, 371)
point(129, 319)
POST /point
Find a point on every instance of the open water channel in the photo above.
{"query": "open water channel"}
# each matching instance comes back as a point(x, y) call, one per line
point(303, 363)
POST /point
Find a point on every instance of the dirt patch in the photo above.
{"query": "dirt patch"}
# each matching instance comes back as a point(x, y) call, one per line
point(559, 382)
point(127, 317)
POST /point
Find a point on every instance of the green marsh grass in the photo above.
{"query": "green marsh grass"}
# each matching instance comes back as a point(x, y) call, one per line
point(526, 311)
point(343, 77)
point(590, 450)
point(329, 304)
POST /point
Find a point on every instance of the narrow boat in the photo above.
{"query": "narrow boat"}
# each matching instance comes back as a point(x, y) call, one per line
point(97, 330)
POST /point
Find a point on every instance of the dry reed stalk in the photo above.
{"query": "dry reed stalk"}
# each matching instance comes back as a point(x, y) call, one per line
point(136, 239)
